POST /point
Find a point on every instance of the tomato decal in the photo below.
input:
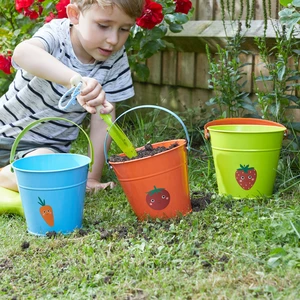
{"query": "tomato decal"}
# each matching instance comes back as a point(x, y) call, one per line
point(46, 212)
point(158, 198)
point(246, 176)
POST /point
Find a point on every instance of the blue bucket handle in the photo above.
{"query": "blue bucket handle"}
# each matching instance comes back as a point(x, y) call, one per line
point(148, 106)
point(18, 138)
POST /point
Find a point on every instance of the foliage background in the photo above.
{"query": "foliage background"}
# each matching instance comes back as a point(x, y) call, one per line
point(142, 42)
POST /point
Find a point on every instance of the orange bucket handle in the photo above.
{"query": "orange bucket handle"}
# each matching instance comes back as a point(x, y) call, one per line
point(149, 106)
point(240, 121)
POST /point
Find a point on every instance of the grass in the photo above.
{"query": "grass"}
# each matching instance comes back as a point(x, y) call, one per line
point(229, 249)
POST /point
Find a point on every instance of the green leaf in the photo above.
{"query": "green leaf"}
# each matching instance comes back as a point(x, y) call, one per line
point(249, 107)
point(296, 3)
point(285, 2)
point(158, 32)
point(278, 252)
point(142, 71)
point(281, 72)
point(295, 126)
point(17, 32)
point(289, 18)
point(285, 13)
point(264, 78)
point(175, 28)
point(151, 48)
point(180, 18)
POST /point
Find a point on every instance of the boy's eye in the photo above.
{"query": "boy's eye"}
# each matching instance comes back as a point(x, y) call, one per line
point(125, 29)
point(102, 25)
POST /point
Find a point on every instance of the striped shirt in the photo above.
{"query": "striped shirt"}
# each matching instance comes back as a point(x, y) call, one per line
point(30, 98)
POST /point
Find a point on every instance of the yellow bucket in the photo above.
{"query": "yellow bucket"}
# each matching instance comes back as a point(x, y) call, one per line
point(246, 153)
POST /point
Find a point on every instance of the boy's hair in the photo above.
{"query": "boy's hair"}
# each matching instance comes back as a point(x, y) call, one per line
point(132, 8)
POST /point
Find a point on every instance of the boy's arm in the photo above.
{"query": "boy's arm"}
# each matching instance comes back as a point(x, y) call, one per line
point(31, 56)
point(97, 134)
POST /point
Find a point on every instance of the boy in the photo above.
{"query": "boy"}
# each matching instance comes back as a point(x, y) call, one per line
point(90, 43)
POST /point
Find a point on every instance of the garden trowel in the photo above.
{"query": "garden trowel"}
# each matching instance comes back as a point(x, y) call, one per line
point(113, 129)
point(118, 135)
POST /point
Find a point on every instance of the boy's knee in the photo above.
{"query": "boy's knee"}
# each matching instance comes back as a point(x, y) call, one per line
point(39, 151)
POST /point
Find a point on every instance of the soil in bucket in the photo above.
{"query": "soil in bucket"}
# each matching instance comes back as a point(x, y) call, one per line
point(155, 182)
point(146, 151)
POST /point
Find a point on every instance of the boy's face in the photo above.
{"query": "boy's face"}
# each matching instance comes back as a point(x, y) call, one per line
point(99, 32)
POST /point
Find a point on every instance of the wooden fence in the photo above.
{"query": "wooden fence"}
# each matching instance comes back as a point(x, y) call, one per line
point(179, 79)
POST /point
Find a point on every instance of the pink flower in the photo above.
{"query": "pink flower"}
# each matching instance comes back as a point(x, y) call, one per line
point(151, 16)
point(5, 64)
point(183, 6)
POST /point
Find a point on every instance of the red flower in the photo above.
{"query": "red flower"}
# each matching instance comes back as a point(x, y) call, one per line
point(61, 8)
point(183, 6)
point(152, 15)
point(32, 14)
point(20, 4)
point(5, 64)
point(61, 11)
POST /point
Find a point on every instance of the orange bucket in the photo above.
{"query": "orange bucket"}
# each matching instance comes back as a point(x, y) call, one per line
point(157, 186)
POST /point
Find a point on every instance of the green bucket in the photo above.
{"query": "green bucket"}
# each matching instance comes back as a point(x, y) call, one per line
point(246, 153)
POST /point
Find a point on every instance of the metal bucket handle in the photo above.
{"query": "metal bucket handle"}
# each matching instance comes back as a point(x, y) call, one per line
point(240, 121)
point(149, 106)
point(18, 138)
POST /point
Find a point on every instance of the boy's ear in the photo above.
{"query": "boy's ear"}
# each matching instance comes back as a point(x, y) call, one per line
point(73, 13)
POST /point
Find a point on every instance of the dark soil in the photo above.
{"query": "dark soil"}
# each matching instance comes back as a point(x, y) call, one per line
point(146, 151)
point(200, 201)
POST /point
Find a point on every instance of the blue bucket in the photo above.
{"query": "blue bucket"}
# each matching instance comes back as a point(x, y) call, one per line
point(52, 188)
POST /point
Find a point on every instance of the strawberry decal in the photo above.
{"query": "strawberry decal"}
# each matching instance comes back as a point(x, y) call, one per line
point(246, 177)
point(158, 198)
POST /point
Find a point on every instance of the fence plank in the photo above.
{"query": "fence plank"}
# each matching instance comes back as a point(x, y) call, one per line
point(154, 64)
point(185, 69)
point(169, 67)
point(243, 7)
point(261, 70)
point(201, 71)
point(247, 69)
point(204, 10)
point(180, 79)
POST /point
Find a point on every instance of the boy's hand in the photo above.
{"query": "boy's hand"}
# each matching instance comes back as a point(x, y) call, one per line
point(94, 185)
point(92, 95)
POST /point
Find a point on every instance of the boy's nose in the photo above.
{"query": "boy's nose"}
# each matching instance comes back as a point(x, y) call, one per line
point(113, 38)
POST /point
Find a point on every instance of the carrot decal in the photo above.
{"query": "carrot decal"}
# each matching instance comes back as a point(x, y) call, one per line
point(46, 212)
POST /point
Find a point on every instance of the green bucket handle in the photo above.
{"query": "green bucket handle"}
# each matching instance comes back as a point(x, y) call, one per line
point(241, 121)
point(148, 106)
point(21, 134)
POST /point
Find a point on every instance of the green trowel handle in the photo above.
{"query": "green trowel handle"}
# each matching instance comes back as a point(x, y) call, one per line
point(118, 135)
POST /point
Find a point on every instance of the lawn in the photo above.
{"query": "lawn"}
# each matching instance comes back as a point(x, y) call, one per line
point(224, 249)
